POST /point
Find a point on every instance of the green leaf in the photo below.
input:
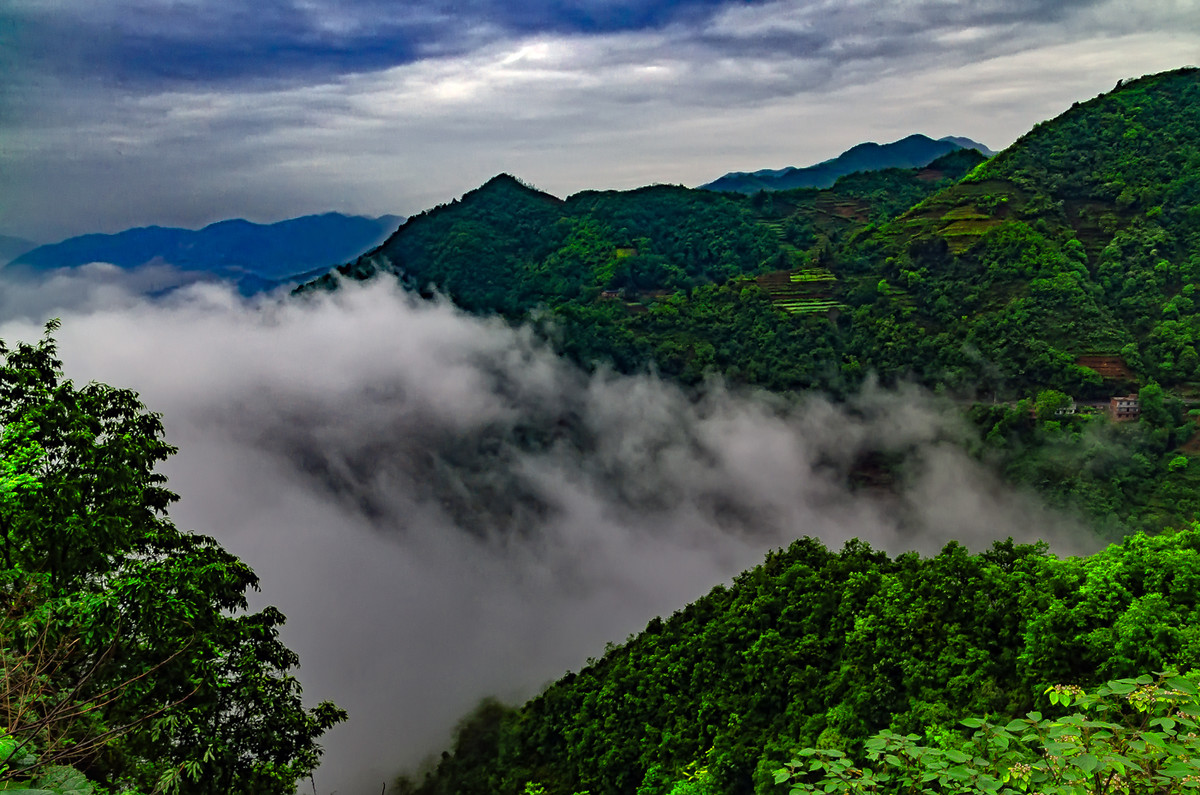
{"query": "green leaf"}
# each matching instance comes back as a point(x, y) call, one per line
point(1086, 762)
point(1183, 685)
point(1123, 687)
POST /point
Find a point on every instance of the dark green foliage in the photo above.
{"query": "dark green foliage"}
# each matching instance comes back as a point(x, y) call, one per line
point(1121, 476)
point(126, 646)
point(992, 281)
point(995, 285)
point(1129, 735)
point(821, 648)
point(507, 248)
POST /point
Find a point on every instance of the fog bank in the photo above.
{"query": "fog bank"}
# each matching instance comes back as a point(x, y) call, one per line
point(445, 511)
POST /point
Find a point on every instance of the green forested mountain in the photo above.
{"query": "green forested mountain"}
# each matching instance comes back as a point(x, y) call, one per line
point(823, 648)
point(1080, 239)
point(1066, 264)
point(508, 248)
point(1065, 260)
point(1065, 267)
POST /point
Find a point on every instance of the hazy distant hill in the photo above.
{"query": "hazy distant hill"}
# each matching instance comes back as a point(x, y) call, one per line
point(11, 247)
point(915, 151)
point(255, 255)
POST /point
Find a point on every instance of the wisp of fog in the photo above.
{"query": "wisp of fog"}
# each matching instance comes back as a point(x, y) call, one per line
point(446, 511)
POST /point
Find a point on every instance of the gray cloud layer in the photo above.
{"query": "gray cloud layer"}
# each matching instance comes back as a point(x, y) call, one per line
point(566, 104)
point(446, 511)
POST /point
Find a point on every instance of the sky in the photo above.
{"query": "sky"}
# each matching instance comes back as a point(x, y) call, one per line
point(121, 113)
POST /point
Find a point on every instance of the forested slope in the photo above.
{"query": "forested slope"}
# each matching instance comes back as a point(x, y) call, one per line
point(1078, 244)
point(816, 647)
point(1080, 239)
point(1065, 266)
point(507, 248)
point(1068, 264)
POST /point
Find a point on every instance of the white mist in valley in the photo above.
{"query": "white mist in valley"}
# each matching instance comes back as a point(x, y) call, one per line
point(445, 510)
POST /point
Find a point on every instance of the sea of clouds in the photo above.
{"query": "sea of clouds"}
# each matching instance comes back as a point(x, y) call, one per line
point(446, 511)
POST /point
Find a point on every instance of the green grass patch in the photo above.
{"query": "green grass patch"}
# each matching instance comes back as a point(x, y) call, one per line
point(811, 275)
point(803, 306)
point(966, 213)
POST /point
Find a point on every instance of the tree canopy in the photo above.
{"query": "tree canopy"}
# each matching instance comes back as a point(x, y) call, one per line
point(817, 648)
point(126, 646)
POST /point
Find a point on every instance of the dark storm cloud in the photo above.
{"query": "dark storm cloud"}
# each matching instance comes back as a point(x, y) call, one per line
point(826, 43)
point(120, 113)
point(151, 44)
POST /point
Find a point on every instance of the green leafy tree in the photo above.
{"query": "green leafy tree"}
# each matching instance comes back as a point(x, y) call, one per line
point(1154, 407)
point(1050, 401)
point(142, 667)
point(1128, 736)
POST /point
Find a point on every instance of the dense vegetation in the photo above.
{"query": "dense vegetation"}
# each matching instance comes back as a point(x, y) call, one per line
point(508, 248)
point(822, 648)
point(1068, 263)
point(1066, 267)
point(1129, 735)
point(125, 649)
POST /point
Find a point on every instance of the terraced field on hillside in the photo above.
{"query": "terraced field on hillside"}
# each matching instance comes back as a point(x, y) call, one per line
point(801, 291)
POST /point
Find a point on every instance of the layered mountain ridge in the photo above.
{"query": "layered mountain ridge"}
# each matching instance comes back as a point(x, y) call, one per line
point(914, 151)
point(255, 256)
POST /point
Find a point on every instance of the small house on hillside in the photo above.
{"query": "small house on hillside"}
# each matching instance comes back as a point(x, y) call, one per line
point(1125, 408)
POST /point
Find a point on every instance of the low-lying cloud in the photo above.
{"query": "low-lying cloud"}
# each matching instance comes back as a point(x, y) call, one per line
point(446, 511)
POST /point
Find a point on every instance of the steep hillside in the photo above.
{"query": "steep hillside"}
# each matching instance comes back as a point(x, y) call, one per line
point(1081, 239)
point(995, 282)
point(821, 648)
point(507, 247)
point(1015, 280)
point(915, 151)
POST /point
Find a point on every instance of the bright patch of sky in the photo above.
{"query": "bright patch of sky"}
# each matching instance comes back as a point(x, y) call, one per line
point(119, 113)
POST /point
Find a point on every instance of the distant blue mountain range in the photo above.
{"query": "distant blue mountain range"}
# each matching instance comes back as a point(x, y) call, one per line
point(255, 256)
point(915, 151)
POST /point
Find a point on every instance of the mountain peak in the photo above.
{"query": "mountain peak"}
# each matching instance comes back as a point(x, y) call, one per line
point(914, 151)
